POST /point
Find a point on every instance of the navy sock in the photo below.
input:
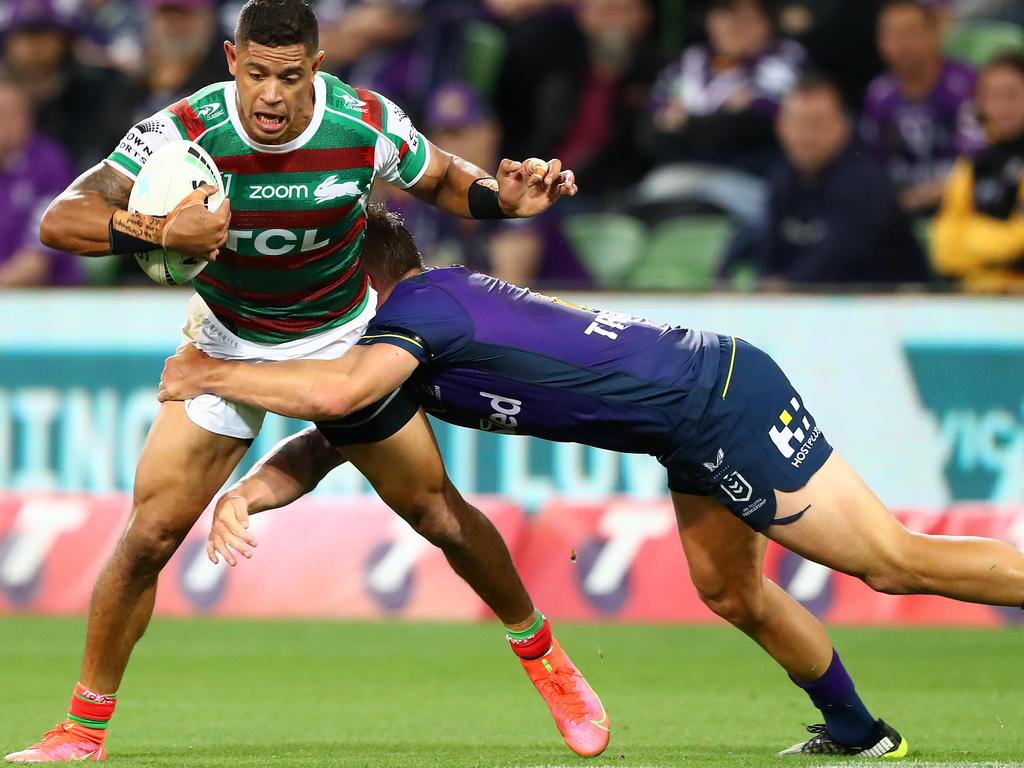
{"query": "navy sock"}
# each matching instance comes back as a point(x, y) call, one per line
point(846, 718)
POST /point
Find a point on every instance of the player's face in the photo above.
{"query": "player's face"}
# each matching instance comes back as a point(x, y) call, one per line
point(275, 89)
point(812, 130)
point(1001, 102)
point(907, 39)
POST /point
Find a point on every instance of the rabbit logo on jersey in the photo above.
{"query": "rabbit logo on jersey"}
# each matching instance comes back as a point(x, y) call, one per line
point(794, 441)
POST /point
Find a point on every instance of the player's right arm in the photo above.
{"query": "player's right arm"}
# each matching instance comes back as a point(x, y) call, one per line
point(90, 218)
point(291, 470)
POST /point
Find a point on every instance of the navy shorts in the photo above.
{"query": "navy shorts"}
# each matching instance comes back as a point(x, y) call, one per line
point(755, 437)
point(374, 422)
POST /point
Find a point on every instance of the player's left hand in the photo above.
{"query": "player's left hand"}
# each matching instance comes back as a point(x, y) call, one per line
point(229, 532)
point(183, 374)
point(522, 192)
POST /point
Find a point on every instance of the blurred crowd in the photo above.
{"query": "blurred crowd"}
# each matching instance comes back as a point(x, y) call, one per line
point(746, 144)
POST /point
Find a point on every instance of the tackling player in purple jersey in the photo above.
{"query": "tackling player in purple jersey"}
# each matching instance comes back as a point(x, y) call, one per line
point(746, 460)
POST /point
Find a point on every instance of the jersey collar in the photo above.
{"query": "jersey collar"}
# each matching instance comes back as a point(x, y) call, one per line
point(319, 107)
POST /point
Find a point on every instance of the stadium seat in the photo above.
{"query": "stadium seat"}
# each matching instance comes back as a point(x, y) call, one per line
point(484, 49)
point(978, 41)
point(100, 270)
point(683, 255)
point(607, 244)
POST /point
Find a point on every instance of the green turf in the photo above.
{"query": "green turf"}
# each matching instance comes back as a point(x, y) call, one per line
point(217, 693)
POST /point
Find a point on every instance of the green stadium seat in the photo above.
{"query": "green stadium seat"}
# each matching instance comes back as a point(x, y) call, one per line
point(100, 270)
point(482, 54)
point(607, 244)
point(683, 255)
point(978, 41)
point(744, 278)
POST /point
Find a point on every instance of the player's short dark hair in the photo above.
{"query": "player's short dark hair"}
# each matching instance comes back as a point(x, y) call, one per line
point(389, 250)
point(276, 23)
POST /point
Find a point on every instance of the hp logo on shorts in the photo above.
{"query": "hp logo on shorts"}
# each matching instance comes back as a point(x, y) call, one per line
point(736, 487)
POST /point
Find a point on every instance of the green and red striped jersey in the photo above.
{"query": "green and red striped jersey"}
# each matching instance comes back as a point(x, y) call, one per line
point(291, 264)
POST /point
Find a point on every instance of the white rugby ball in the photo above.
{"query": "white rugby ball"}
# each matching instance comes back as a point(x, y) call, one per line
point(168, 177)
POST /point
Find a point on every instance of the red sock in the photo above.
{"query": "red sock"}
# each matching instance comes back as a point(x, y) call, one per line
point(92, 711)
point(533, 642)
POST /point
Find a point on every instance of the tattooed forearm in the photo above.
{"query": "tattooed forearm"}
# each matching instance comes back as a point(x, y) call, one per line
point(148, 228)
point(113, 187)
point(78, 220)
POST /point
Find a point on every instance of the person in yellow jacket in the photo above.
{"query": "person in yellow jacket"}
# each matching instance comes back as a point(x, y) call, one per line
point(979, 231)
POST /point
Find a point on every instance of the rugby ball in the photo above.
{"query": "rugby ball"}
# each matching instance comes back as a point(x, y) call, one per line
point(168, 177)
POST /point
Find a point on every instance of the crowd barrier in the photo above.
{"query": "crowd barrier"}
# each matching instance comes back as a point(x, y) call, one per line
point(615, 560)
point(923, 395)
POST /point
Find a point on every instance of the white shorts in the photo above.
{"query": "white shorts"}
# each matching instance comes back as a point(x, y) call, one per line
point(226, 417)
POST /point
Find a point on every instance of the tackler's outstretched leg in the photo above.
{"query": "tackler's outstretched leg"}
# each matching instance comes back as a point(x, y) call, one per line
point(844, 526)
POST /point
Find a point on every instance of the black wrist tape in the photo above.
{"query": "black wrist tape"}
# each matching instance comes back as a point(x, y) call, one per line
point(122, 244)
point(483, 202)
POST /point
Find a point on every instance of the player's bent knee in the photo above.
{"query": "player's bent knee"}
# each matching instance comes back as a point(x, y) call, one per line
point(431, 516)
point(147, 545)
point(740, 605)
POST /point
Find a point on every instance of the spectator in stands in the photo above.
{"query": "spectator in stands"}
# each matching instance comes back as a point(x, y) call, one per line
point(713, 112)
point(38, 53)
point(918, 116)
point(585, 104)
point(457, 120)
point(183, 52)
point(718, 103)
point(979, 233)
point(33, 169)
point(839, 37)
point(377, 45)
point(833, 214)
point(527, 252)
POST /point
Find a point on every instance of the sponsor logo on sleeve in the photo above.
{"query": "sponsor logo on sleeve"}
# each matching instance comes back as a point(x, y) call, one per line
point(210, 111)
point(350, 101)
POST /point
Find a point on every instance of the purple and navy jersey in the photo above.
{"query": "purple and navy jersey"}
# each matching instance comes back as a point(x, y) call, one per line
point(918, 141)
point(704, 85)
point(503, 359)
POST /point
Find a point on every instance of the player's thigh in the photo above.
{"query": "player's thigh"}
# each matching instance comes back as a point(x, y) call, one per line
point(724, 555)
point(839, 522)
point(181, 467)
point(405, 469)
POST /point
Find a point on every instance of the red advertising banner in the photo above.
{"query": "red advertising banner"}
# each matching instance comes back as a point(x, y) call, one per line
point(612, 560)
point(622, 560)
point(350, 558)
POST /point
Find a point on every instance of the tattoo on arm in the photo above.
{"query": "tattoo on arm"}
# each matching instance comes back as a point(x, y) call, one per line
point(138, 225)
point(113, 187)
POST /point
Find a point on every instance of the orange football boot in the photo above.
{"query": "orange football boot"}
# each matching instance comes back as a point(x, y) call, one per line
point(68, 741)
point(577, 710)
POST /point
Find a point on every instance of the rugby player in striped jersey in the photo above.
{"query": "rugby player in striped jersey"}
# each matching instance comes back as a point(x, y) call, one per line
point(300, 151)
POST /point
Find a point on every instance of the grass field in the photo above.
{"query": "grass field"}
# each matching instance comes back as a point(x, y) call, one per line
point(218, 693)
